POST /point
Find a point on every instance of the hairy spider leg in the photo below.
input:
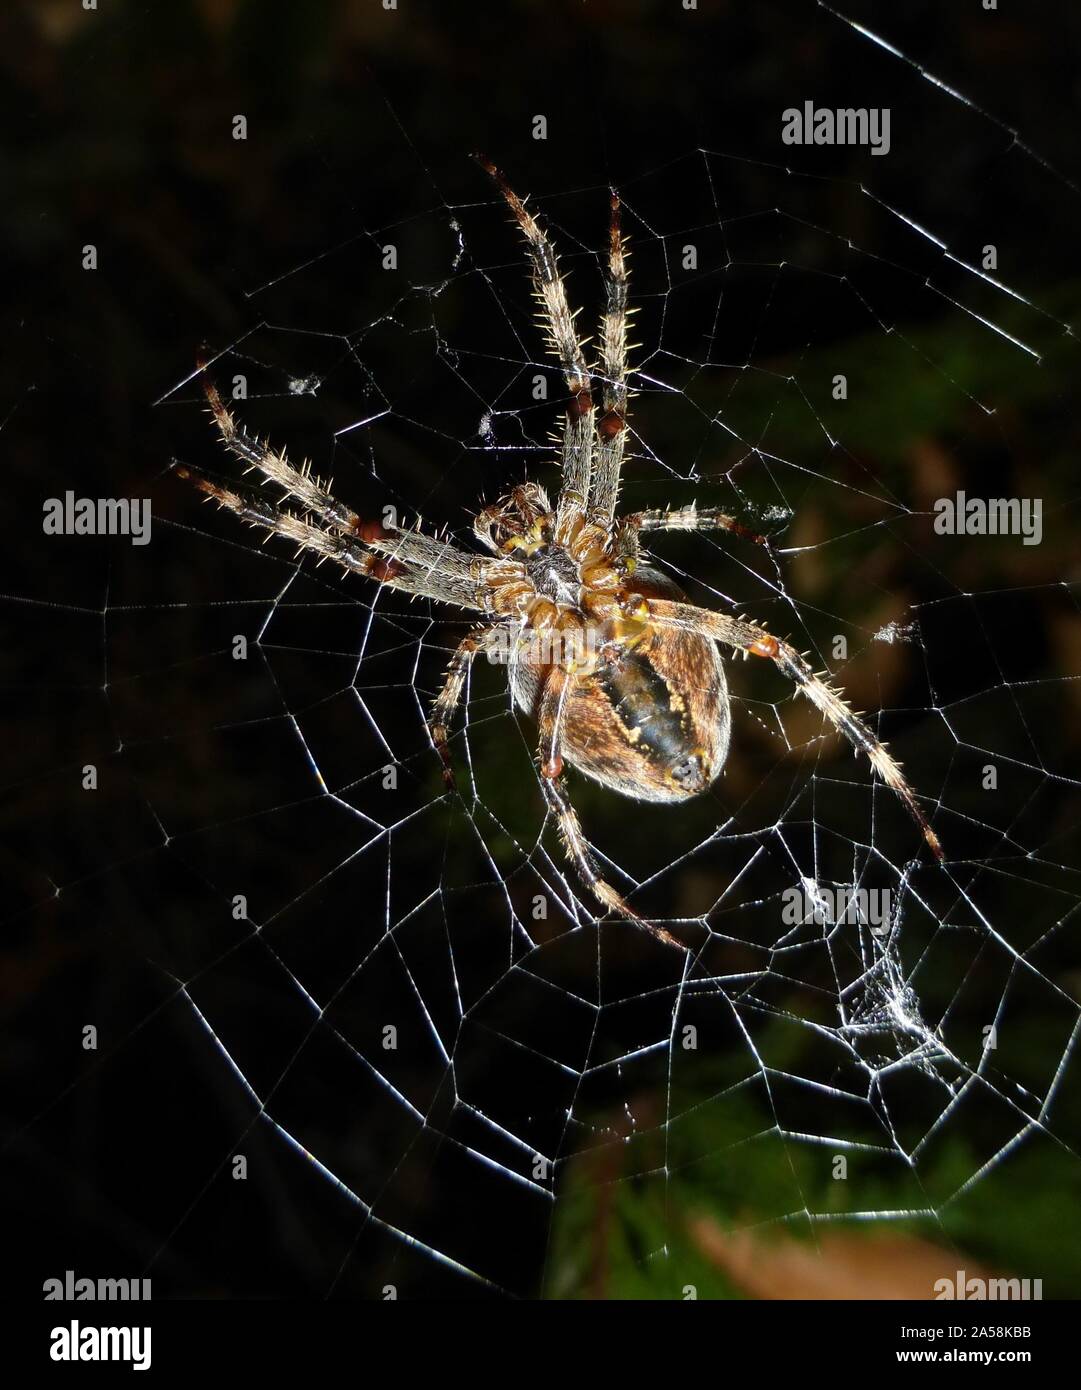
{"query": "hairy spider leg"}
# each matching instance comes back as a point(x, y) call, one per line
point(747, 637)
point(578, 426)
point(447, 700)
point(612, 425)
point(556, 690)
point(344, 549)
point(314, 497)
point(689, 518)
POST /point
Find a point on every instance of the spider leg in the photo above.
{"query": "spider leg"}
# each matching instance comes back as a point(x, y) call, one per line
point(692, 518)
point(748, 638)
point(578, 434)
point(315, 497)
point(345, 550)
point(447, 700)
point(554, 693)
point(612, 426)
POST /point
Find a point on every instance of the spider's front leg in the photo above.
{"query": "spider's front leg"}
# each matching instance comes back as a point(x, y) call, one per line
point(557, 687)
point(756, 641)
point(563, 340)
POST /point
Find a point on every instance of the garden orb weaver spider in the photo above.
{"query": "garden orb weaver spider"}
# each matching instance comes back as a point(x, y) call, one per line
point(628, 686)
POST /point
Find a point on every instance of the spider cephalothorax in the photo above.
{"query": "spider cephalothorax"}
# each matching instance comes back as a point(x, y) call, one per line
point(623, 677)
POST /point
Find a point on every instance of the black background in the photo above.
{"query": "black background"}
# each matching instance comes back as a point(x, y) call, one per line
point(361, 121)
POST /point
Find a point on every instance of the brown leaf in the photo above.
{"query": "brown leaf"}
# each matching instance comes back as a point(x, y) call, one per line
point(836, 1266)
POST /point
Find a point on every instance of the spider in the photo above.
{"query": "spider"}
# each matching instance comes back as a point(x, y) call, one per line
point(630, 687)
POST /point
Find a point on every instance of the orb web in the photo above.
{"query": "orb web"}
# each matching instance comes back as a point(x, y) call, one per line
point(404, 1003)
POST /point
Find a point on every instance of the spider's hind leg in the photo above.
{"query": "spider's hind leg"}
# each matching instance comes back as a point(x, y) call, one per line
point(581, 856)
point(447, 700)
point(555, 692)
point(690, 518)
point(756, 641)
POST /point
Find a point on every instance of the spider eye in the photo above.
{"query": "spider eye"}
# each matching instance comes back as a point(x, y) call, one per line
point(689, 773)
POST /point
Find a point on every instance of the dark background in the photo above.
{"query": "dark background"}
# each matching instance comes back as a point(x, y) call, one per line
point(360, 125)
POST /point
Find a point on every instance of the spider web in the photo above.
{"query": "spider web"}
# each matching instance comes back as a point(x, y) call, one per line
point(404, 1011)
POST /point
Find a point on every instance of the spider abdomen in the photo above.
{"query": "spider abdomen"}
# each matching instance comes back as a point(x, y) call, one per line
point(653, 723)
point(652, 719)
